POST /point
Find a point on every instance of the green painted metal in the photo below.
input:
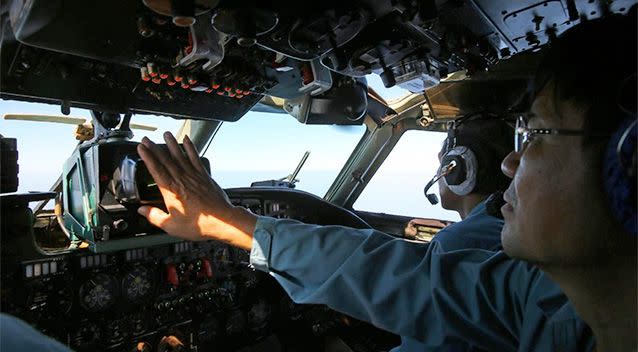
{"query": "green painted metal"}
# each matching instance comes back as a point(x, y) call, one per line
point(134, 242)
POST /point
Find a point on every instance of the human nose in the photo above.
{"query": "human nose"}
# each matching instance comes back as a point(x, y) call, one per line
point(510, 164)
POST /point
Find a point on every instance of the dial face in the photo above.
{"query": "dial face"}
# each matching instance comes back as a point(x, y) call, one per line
point(222, 258)
point(87, 334)
point(63, 299)
point(229, 287)
point(98, 292)
point(258, 314)
point(235, 323)
point(137, 283)
point(242, 256)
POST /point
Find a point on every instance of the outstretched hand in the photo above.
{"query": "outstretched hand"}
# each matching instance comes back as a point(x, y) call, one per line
point(198, 209)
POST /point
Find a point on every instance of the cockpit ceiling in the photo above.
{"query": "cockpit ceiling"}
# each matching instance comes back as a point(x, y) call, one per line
point(132, 56)
point(498, 90)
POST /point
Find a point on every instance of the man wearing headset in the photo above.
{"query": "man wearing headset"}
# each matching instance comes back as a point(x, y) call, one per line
point(469, 173)
point(570, 219)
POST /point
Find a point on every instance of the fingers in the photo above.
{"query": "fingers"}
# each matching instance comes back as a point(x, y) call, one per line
point(193, 155)
point(157, 170)
point(163, 158)
point(176, 152)
point(157, 217)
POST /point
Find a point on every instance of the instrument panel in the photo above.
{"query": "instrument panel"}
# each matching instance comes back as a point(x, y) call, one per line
point(184, 296)
point(117, 300)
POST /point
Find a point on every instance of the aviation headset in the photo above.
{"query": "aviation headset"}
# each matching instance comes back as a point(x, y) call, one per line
point(619, 163)
point(460, 163)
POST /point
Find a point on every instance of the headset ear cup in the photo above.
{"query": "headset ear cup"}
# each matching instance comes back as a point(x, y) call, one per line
point(459, 173)
point(468, 162)
point(619, 174)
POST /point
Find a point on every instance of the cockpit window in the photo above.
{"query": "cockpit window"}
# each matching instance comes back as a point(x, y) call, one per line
point(397, 187)
point(264, 146)
point(43, 147)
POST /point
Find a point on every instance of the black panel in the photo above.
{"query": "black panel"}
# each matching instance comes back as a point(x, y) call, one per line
point(33, 74)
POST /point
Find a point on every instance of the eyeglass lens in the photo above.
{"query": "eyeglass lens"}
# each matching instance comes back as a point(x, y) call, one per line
point(520, 134)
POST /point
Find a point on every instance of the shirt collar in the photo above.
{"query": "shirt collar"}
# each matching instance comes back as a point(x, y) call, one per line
point(555, 305)
point(478, 209)
point(566, 323)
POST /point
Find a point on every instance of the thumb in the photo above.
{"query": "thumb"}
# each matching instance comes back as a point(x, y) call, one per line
point(156, 216)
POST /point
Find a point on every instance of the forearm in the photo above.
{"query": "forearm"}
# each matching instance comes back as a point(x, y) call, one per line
point(238, 230)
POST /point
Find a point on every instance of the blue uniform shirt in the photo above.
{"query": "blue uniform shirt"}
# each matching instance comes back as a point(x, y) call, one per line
point(419, 290)
point(16, 335)
point(477, 230)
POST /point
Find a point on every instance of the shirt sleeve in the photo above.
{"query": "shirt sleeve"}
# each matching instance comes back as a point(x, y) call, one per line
point(408, 288)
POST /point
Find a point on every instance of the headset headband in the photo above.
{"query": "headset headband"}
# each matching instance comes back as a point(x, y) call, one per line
point(454, 125)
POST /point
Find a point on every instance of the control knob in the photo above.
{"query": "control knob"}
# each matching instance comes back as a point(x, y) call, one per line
point(170, 343)
point(142, 347)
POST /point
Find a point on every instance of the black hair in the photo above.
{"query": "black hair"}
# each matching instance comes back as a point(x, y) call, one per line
point(592, 65)
point(491, 139)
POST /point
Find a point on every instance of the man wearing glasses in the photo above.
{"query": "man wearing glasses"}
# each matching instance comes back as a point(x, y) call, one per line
point(569, 218)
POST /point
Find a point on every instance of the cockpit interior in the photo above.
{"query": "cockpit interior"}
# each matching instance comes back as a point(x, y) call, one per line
point(77, 261)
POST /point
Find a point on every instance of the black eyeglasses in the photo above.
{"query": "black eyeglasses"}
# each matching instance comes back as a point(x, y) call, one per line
point(523, 135)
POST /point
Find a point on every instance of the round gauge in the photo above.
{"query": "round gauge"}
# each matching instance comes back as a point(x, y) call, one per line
point(229, 287)
point(114, 332)
point(222, 258)
point(242, 256)
point(208, 330)
point(258, 315)
point(62, 299)
point(88, 334)
point(235, 323)
point(137, 283)
point(98, 293)
point(138, 324)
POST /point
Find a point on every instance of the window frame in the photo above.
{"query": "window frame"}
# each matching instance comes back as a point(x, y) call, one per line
point(375, 146)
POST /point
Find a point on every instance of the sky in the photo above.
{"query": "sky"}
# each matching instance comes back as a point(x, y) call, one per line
point(260, 146)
